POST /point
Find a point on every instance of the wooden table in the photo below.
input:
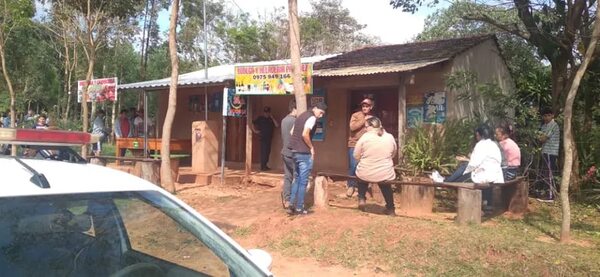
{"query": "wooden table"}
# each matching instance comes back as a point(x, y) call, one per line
point(176, 145)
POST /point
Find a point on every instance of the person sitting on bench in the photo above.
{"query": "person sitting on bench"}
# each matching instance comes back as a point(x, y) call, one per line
point(374, 152)
point(511, 151)
point(484, 165)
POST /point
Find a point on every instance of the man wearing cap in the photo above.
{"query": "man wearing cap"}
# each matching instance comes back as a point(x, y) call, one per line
point(303, 154)
point(263, 126)
point(357, 129)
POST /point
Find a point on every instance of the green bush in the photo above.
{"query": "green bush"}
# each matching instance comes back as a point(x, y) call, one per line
point(430, 147)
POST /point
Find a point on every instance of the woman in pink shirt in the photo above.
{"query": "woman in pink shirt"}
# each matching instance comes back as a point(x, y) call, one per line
point(511, 152)
point(375, 151)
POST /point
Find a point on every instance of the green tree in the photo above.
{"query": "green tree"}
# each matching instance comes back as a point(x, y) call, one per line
point(561, 32)
point(13, 14)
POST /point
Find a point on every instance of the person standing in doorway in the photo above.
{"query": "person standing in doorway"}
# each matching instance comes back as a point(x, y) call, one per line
point(287, 123)
point(265, 123)
point(550, 139)
point(303, 153)
point(357, 129)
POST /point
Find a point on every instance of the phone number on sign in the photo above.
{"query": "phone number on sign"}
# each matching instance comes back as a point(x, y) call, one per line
point(271, 76)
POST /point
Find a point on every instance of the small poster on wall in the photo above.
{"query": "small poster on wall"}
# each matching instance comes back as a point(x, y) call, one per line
point(414, 115)
point(434, 107)
point(319, 96)
point(233, 104)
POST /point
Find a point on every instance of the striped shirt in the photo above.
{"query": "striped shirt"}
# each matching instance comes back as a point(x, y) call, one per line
point(552, 131)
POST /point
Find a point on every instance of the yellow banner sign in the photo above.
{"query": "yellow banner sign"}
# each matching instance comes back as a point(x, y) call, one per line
point(270, 79)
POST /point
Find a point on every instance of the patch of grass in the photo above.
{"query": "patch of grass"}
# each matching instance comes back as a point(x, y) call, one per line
point(503, 247)
point(225, 199)
point(243, 232)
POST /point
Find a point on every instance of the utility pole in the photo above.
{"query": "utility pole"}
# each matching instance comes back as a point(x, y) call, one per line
point(294, 36)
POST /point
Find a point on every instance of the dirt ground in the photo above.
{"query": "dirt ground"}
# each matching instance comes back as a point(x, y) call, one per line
point(257, 210)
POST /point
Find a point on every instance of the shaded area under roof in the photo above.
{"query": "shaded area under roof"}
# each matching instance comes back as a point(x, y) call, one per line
point(216, 75)
point(399, 55)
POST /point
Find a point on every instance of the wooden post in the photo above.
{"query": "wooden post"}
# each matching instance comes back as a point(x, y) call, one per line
point(248, 164)
point(469, 206)
point(401, 116)
point(415, 200)
point(321, 196)
point(150, 171)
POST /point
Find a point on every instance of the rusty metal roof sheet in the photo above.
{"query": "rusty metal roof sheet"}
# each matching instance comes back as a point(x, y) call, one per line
point(375, 69)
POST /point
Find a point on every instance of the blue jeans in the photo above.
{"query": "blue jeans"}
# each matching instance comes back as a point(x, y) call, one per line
point(352, 163)
point(303, 165)
point(289, 175)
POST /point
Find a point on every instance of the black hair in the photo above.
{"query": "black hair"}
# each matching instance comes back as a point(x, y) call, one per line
point(547, 110)
point(123, 111)
point(484, 131)
point(320, 106)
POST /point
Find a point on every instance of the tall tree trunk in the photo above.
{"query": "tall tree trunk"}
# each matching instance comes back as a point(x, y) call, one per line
point(91, 55)
point(295, 56)
point(11, 91)
point(165, 168)
point(560, 79)
point(565, 230)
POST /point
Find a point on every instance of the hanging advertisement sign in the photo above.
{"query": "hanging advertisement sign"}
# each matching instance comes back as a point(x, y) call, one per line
point(233, 105)
point(321, 124)
point(270, 79)
point(99, 90)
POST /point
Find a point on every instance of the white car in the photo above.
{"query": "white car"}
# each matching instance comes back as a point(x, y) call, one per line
point(70, 219)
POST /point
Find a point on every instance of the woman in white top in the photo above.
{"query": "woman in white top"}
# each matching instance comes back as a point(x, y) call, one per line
point(485, 163)
point(374, 152)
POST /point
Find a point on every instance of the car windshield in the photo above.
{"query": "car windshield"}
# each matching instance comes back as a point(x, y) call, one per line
point(117, 234)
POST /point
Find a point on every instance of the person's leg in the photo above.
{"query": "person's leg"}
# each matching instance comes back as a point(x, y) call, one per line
point(553, 171)
point(263, 153)
point(304, 165)
point(388, 195)
point(288, 177)
point(295, 186)
point(352, 163)
point(458, 173)
point(362, 187)
point(267, 151)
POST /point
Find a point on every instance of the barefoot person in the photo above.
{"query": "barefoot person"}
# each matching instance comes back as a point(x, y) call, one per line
point(375, 152)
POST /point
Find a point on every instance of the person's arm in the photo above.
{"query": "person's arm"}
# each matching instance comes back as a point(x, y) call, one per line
point(275, 123)
point(476, 159)
point(253, 127)
point(308, 125)
point(358, 148)
point(356, 122)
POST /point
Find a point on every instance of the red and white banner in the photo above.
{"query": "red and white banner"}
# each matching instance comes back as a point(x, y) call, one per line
point(99, 90)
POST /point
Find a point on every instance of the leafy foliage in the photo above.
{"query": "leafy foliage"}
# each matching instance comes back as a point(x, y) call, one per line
point(430, 147)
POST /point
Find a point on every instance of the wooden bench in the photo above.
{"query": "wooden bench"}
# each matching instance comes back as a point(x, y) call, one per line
point(417, 197)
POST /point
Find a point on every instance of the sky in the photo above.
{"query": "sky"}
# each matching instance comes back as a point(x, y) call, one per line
point(391, 25)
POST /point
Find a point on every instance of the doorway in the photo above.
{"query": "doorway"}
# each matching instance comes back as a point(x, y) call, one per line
point(386, 106)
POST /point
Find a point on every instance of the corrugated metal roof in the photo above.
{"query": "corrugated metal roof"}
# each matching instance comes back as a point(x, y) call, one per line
point(374, 69)
point(216, 74)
